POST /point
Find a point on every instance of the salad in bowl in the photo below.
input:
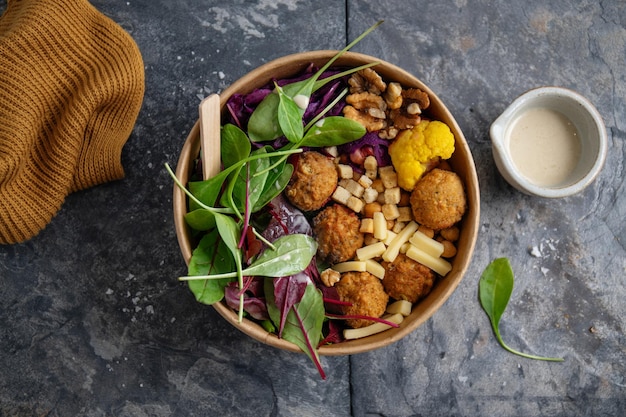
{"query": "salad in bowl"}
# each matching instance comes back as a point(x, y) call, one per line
point(345, 211)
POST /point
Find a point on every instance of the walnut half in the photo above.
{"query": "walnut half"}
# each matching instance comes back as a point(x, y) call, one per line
point(330, 277)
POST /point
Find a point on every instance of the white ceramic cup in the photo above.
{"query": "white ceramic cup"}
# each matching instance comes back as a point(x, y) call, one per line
point(591, 133)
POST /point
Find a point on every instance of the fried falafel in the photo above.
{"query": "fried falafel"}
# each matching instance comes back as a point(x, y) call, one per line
point(406, 279)
point(438, 200)
point(313, 182)
point(336, 229)
point(366, 294)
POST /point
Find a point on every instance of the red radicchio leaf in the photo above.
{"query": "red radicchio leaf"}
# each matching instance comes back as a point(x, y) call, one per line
point(253, 303)
point(334, 333)
point(287, 292)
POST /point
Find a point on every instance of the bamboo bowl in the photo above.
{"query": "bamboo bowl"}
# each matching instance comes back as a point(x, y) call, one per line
point(462, 163)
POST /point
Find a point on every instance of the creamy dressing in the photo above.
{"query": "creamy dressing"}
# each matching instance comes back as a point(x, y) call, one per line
point(544, 146)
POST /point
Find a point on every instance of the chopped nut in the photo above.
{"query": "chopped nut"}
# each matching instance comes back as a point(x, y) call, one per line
point(377, 113)
point(403, 120)
point(330, 277)
point(415, 95)
point(393, 96)
point(365, 101)
point(367, 80)
point(388, 133)
point(413, 109)
point(370, 123)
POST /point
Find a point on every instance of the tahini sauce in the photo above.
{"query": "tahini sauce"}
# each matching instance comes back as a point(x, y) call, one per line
point(544, 146)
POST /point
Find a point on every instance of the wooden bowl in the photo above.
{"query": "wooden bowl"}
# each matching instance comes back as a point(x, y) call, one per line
point(462, 163)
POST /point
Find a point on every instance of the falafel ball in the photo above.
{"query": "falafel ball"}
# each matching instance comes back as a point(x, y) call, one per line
point(406, 279)
point(366, 294)
point(313, 181)
point(336, 229)
point(438, 200)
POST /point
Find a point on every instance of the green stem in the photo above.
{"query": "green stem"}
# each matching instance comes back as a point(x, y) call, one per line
point(525, 355)
point(205, 277)
point(321, 83)
point(326, 110)
point(191, 196)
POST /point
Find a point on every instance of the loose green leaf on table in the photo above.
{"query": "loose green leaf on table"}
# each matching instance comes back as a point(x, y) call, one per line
point(495, 288)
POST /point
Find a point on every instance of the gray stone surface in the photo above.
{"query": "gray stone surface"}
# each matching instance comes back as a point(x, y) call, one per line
point(94, 323)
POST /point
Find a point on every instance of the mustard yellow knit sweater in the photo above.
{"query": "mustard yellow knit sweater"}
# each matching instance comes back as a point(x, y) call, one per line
point(71, 86)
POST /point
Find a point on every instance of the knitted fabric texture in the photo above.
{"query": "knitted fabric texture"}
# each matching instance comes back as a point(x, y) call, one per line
point(71, 87)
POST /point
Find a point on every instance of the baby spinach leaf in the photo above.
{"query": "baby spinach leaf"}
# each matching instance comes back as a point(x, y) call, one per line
point(495, 288)
point(289, 116)
point(235, 145)
point(200, 219)
point(333, 131)
point(276, 182)
point(292, 254)
point(207, 191)
point(264, 124)
point(230, 233)
point(246, 186)
point(210, 257)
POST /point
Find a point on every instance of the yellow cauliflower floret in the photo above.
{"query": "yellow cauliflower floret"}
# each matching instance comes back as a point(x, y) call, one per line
point(414, 149)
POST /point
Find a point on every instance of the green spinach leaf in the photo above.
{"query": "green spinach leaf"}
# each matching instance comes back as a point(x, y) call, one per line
point(495, 288)
point(292, 254)
point(210, 257)
point(200, 219)
point(235, 145)
point(264, 123)
point(333, 131)
point(289, 116)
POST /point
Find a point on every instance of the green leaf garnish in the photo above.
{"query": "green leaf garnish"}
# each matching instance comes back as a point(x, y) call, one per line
point(495, 288)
